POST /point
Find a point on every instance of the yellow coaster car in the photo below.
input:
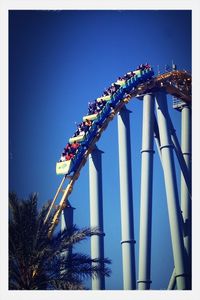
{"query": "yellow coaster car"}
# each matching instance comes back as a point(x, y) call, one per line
point(120, 82)
point(90, 117)
point(63, 167)
point(78, 138)
point(105, 98)
point(137, 72)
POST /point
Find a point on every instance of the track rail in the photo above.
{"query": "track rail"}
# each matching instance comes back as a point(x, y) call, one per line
point(176, 83)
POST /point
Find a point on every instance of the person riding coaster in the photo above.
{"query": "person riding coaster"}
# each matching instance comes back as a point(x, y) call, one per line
point(69, 151)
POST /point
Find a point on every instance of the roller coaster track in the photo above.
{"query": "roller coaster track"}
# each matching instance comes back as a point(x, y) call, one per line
point(176, 83)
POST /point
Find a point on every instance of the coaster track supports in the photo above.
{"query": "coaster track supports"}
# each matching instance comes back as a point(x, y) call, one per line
point(172, 83)
point(96, 213)
point(127, 228)
point(174, 210)
point(147, 152)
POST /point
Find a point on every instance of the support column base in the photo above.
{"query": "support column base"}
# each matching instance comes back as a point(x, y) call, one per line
point(144, 284)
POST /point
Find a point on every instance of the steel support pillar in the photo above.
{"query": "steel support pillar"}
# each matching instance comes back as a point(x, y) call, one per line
point(147, 151)
point(96, 213)
point(157, 137)
point(184, 168)
point(185, 196)
point(127, 229)
point(174, 210)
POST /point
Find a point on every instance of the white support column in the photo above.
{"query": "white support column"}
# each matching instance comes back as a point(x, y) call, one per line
point(184, 168)
point(186, 206)
point(127, 228)
point(144, 278)
point(174, 210)
point(96, 212)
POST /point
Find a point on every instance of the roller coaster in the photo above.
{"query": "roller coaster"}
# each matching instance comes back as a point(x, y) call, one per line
point(137, 83)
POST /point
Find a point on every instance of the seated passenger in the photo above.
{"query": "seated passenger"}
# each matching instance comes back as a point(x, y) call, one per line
point(112, 89)
point(141, 67)
point(69, 156)
point(98, 107)
point(76, 133)
point(86, 125)
point(128, 75)
point(147, 66)
point(120, 79)
point(106, 93)
point(88, 122)
point(67, 150)
point(74, 146)
point(114, 85)
point(82, 128)
point(95, 107)
point(67, 147)
point(62, 158)
point(82, 132)
point(101, 103)
point(91, 108)
point(78, 130)
point(64, 153)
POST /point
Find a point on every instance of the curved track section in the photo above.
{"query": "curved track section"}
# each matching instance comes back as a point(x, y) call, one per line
point(176, 83)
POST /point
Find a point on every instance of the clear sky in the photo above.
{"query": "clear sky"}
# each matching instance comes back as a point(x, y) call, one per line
point(60, 60)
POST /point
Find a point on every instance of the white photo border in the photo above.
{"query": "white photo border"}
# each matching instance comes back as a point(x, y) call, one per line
point(7, 5)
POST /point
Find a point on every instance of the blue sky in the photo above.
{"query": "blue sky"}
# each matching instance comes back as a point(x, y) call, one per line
point(60, 60)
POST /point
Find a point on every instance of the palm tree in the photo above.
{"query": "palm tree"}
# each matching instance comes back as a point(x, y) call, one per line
point(37, 262)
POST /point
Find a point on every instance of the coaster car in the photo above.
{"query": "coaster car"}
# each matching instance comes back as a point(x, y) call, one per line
point(120, 82)
point(138, 73)
point(90, 117)
point(63, 167)
point(105, 98)
point(79, 138)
